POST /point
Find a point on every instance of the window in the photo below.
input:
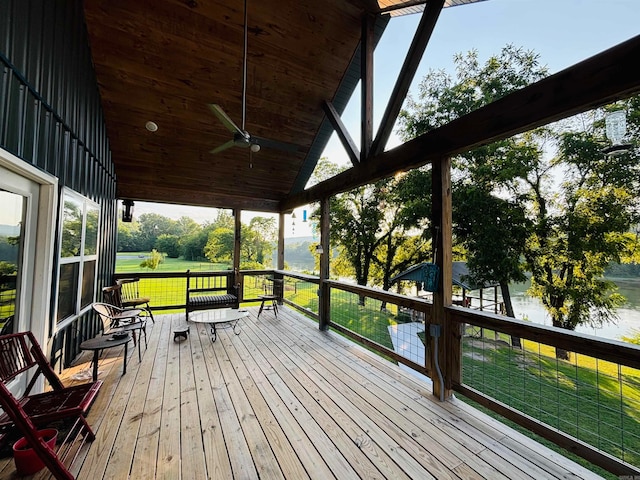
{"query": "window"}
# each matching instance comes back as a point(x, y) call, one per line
point(78, 255)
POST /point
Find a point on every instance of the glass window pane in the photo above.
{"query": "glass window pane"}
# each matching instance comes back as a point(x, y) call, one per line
point(11, 220)
point(91, 234)
point(88, 282)
point(71, 228)
point(68, 290)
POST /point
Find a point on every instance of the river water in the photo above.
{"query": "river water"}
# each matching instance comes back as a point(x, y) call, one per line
point(531, 309)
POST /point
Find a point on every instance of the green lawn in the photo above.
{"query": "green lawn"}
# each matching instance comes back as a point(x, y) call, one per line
point(595, 401)
point(125, 264)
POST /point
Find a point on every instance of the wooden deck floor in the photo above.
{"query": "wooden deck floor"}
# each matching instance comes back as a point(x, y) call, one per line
point(284, 400)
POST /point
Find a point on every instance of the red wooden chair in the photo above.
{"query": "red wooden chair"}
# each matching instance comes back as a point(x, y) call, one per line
point(21, 354)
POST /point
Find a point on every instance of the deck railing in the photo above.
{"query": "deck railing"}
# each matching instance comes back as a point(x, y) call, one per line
point(577, 390)
point(587, 404)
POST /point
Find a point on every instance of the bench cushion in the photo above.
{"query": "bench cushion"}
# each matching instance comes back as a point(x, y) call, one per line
point(202, 300)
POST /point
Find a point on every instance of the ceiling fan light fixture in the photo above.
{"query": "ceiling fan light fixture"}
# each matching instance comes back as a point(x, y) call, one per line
point(255, 148)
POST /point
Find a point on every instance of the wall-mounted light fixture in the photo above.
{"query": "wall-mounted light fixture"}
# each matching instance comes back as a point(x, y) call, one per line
point(127, 210)
point(319, 249)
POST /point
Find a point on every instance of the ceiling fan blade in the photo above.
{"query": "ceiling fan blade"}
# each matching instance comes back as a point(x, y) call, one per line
point(224, 146)
point(275, 144)
point(224, 118)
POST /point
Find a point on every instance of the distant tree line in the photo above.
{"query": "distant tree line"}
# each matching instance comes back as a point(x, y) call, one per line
point(213, 241)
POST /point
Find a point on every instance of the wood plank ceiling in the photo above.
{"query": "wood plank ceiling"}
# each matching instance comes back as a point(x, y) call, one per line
point(166, 60)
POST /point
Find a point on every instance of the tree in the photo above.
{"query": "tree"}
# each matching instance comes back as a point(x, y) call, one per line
point(378, 228)
point(129, 239)
point(566, 234)
point(355, 224)
point(169, 244)
point(491, 228)
point(406, 236)
point(153, 260)
point(583, 228)
point(264, 234)
point(220, 244)
point(152, 226)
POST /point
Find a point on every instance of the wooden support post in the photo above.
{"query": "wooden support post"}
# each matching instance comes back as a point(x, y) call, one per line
point(366, 82)
point(281, 241)
point(324, 301)
point(237, 213)
point(449, 339)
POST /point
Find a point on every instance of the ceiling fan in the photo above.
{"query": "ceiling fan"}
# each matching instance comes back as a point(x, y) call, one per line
point(242, 138)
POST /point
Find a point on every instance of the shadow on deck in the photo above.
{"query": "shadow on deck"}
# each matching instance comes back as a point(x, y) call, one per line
point(284, 400)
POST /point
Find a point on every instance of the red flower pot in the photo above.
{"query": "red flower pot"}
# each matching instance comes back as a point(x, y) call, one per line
point(26, 459)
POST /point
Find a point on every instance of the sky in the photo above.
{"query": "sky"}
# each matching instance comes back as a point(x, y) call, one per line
point(561, 32)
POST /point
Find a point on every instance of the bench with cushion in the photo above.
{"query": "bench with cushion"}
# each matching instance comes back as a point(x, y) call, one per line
point(207, 291)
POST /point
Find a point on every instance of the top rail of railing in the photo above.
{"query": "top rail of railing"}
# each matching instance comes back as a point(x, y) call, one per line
point(603, 348)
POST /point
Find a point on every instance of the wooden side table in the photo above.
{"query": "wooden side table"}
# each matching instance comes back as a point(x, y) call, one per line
point(102, 342)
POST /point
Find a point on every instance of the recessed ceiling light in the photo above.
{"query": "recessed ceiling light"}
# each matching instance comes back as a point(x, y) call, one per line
point(151, 126)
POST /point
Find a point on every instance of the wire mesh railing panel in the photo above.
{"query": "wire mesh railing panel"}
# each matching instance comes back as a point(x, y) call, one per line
point(164, 291)
point(302, 293)
point(397, 329)
point(592, 400)
point(254, 285)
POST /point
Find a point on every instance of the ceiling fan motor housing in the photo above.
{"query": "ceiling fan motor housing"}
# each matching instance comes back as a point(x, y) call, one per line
point(242, 139)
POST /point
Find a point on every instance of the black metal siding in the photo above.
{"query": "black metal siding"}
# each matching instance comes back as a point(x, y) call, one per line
point(51, 116)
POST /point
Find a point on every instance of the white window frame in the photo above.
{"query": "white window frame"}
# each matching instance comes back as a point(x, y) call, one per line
point(80, 259)
point(44, 238)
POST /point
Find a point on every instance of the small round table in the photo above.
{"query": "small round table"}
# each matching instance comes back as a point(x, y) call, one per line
point(218, 317)
point(105, 341)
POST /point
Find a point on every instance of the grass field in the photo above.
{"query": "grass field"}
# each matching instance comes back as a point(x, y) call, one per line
point(130, 262)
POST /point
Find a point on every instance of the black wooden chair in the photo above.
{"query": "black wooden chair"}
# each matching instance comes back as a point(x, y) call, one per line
point(272, 295)
point(130, 295)
point(116, 320)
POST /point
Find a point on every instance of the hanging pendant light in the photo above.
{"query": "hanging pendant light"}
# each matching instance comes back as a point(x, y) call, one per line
point(616, 129)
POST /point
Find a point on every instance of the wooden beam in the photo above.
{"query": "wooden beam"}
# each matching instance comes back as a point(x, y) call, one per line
point(599, 80)
point(281, 241)
point(407, 73)
point(448, 350)
point(347, 142)
point(324, 303)
point(237, 241)
point(152, 193)
point(366, 85)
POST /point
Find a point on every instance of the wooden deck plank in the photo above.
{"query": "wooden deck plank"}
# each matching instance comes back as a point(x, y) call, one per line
point(169, 460)
point(191, 439)
point(402, 448)
point(284, 400)
point(215, 451)
point(425, 425)
point(124, 447)
point(284, 453)
point(261, 452)
point(303, 446)
point(319, 427)
point(350, 437)
point(242, 464)
point(146, 450)
point(112, 406)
